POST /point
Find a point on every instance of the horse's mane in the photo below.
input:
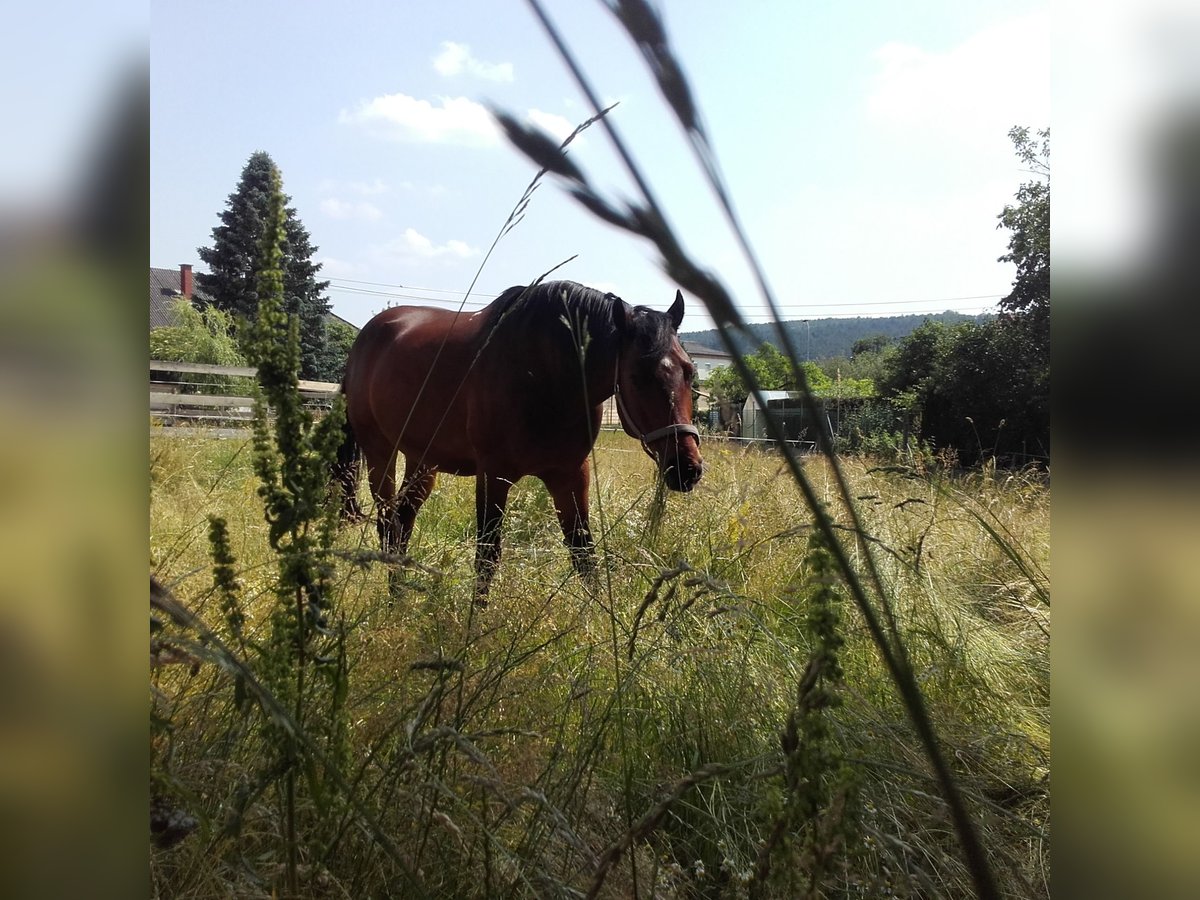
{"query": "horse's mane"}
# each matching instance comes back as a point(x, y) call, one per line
point(542, 305)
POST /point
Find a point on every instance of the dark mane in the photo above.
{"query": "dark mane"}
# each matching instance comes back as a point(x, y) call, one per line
point(542, 304)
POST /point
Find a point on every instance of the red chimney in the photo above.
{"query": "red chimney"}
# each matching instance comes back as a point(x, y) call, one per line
point(185, 280)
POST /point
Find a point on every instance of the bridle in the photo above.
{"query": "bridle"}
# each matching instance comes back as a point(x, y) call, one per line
point(657, 434)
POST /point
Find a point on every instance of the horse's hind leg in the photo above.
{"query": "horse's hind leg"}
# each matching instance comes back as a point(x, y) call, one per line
point(414, 491)
point(569, 489)
point(491, 496)
point(345, 473)
point(381, 470)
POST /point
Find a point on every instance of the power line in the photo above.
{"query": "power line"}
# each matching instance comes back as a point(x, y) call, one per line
point(969, 311)
point(342, 286)
point(407, 287)
point(397, 296)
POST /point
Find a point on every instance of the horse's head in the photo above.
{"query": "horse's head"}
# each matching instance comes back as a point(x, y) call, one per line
point(654, 391)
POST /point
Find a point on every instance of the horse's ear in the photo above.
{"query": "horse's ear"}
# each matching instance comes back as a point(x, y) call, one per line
point(620, 314)
point(676, 310)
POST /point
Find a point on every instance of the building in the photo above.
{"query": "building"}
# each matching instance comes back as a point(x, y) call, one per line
point(787, 407)
point(705, 359)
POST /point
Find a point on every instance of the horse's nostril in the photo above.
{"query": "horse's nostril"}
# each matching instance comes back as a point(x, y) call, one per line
point(682, 477)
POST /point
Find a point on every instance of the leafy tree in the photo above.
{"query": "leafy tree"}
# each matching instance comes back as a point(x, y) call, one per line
point(918, 360)
point(919, 378)
point(1028, 304)
point(846, 388)
point(873, 344)
point(1029, 221)
point(231, 261)
point(975, 389)
point(818, 382)
point(199, 336)
point(866, 366)
point(726, 385)
point(339, 338)
point(771, 369)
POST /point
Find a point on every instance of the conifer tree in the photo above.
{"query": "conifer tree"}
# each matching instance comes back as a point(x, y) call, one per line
point(231, 261)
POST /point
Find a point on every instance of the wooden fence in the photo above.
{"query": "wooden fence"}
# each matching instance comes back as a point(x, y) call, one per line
point(181, 406)
point(218, 403)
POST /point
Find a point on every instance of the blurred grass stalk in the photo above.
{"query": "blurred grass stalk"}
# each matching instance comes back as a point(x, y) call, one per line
point(73, 501)
point(1125, 233)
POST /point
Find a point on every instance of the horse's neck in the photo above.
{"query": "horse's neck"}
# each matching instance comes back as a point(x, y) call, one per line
point(600, 366)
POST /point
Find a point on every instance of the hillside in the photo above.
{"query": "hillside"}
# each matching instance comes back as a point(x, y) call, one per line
point(824, 338)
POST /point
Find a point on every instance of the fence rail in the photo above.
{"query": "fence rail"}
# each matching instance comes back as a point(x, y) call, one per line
point(180, 406)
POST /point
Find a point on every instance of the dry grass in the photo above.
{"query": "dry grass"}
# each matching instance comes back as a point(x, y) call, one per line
point(564, 718)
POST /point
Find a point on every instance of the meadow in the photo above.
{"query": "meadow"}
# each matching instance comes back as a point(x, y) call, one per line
point(659, 736)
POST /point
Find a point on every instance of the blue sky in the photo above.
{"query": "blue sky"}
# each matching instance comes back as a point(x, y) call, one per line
point(865, 144)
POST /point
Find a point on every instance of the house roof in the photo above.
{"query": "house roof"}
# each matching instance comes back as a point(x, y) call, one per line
point(693, 350)
point(164, 291)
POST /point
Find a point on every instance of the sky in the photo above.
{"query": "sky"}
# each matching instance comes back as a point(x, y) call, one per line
point(865, 145)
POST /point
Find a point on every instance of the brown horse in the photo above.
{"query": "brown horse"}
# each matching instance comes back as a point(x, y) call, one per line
point(515, 389)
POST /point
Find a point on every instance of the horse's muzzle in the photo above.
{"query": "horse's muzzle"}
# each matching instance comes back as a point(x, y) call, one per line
point(682, 473)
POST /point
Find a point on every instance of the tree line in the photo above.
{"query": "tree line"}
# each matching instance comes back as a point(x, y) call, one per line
point(817, 339)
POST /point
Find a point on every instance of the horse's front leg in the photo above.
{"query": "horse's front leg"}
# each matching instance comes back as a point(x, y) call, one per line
point(491, 496)
point(569, 489)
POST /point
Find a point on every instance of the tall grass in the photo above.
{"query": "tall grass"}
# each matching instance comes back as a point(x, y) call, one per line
point(486, 751)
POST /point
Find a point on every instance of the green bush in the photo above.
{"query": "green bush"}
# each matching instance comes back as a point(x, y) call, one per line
point(201, 336)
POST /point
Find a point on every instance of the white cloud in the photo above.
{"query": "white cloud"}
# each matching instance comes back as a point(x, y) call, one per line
point(432, 189)
point(454, 120)
point(337, 268)
point(414, 245)
point(362, 188)
point(995, 79)
point(369, 188)
point(342, 209)
point(455, 59)
point(557, 126)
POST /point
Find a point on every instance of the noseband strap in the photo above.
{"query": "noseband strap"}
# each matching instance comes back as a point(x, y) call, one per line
point(658, 433)
point(681, 428)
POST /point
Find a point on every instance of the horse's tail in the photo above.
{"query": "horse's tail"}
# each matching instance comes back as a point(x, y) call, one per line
point(345, 469)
